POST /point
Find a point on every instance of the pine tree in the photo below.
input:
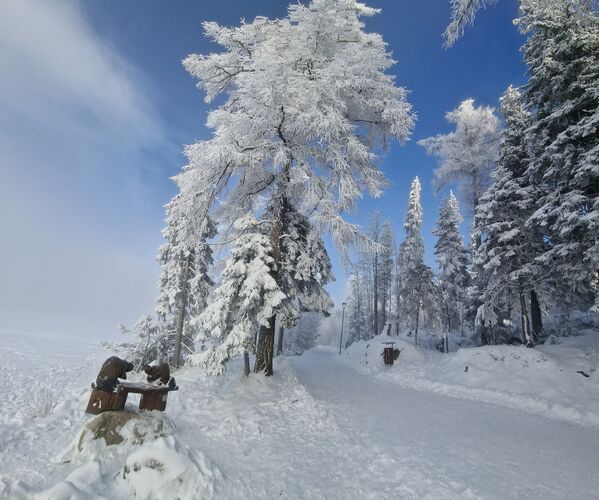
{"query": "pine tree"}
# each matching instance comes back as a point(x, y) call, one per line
point(184, 281)
point(417, 290)
point(386, 271)
point(357, 322)
point(562, 55)
point(244, 300)
point(300, 95)
point(453, 261)
point(505, 259)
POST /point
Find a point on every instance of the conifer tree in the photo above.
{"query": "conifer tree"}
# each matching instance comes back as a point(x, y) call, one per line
point(243, 301)
point(453, 261)
point(417, 290)
point(184, 282)
point(562, 55)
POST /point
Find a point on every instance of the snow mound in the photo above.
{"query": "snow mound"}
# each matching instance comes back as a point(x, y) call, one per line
point(123, 429)
point(555, 380)
point(163, 469)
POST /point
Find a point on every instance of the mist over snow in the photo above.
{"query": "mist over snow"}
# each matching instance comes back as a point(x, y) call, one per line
point(79, 145)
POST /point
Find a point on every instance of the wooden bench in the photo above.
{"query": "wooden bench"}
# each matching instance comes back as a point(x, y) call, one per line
point(153, 397)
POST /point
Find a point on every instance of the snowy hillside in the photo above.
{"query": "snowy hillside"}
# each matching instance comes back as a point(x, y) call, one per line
point(323, 426)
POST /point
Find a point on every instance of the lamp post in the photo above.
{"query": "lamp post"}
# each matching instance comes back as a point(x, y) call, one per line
point(342, 321)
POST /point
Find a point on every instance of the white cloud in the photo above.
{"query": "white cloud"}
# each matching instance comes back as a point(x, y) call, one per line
point(79, 219)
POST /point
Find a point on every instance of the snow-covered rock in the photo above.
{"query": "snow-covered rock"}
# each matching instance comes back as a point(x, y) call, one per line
point(123, 428)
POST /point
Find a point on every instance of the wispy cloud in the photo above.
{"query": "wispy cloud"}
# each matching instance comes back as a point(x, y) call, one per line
point(77, 133)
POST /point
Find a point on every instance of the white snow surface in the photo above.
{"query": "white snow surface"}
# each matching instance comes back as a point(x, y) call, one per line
point(524, 425)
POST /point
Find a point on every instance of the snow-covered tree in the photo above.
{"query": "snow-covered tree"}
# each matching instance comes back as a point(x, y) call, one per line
point(562, 55)
point(467, 155)
point(385, 274)
point(304, 271)
point(417, 290)
point(505, 260)
point(453, 261)
point(147, 345)
point(357, 318)
point(307, 102)
point(184, 282)
point(244, 300)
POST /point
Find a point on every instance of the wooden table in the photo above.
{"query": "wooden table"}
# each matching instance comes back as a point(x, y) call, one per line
point(153, 397)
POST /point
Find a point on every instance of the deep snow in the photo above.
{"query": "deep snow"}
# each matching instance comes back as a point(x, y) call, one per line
point(325, 426)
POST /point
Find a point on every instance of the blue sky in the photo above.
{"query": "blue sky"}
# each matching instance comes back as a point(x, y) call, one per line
point(95, 108)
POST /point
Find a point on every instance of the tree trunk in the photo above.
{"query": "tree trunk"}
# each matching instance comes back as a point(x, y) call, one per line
point(246, 364)
point(376, 294)
point(416, 329)
point(526, 336)
point(266, 343)
point(264, 352)
point(536, 316)
point(182, 313)
point(280, 340)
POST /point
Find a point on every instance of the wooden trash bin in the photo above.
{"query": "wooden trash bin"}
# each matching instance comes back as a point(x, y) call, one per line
point(389, 353)
point(100, 401)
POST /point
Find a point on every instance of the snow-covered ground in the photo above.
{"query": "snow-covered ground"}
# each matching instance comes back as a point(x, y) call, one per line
point(325, 426)
point(558, 381)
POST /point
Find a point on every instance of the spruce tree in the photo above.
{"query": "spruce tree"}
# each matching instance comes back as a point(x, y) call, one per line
point(184, 282)
point(562, 55)
point(417, 290)
point(243, 301)
point(453, 261)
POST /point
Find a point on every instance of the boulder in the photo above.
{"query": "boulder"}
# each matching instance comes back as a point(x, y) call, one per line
point(122, 429)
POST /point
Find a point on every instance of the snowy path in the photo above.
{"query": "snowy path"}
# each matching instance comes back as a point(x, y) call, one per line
point(426, 444)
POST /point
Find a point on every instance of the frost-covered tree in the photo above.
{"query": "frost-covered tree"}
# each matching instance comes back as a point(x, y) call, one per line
point(562, 55)
point(467, 155)
point(357, 316)
point(305, 269)
point(453, 261)
point(147, 345)
point(307, 103)
point(507, 275)
point(417, 290)
point(243, 301)
point(184, 282)
point(385, 274)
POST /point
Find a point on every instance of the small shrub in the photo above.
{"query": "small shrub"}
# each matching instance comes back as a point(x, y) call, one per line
point(40, 402)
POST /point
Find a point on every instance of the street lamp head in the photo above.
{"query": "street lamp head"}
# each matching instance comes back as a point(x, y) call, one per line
point(343, 305)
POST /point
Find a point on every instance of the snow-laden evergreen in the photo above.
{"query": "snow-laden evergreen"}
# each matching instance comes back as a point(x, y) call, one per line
point(246, 296)
point(467, 155)
point(506, 273)
point(453, 260)
point(385, 274)
point(184, 284)
point(562, 55)
point(416, 288)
